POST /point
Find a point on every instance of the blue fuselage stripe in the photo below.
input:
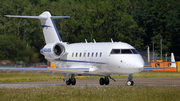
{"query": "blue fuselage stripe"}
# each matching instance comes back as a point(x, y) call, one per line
point(82, 61)
point(56, 29)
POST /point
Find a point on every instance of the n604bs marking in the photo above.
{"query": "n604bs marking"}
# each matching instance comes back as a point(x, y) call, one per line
point(47, 50)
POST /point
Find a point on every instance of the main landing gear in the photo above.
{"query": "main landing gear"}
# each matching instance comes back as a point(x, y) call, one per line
point(130, 82)
point(105, 80)
point(71, 80)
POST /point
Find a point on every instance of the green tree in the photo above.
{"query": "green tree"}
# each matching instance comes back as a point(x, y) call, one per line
point(12, 48)
point(173, 30)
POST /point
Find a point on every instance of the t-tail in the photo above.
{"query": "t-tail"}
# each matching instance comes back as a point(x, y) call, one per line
point(50, 31)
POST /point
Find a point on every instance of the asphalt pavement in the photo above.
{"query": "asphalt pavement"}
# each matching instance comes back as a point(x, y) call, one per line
point(83, 83)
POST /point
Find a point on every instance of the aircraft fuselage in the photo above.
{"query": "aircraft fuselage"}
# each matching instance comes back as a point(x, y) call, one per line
point(100, 58)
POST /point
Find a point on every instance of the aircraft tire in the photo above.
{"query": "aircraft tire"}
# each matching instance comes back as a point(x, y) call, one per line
point(106, 81)
point(68, 82)
point(101, 81)
point(130, 83)
point(73, 82)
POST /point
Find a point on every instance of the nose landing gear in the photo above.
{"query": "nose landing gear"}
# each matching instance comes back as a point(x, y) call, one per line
point(130, 82)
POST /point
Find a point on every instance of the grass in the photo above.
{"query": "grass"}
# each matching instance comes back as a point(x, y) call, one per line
point(30, 76)
point(100, 93)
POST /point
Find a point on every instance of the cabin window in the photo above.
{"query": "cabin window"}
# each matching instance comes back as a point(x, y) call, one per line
point(80, 54)
point(100, 54)
point(84, 54)
point(76, 54)
point(88, 54)
point(92, 54)
point(96, 54)
point(115, 51)
point(72, 54)
point(126, 51)
point(134, 51)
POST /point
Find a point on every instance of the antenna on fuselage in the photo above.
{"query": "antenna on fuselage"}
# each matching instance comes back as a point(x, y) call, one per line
point(94, 40)
point(85, 40)
point(111, 40)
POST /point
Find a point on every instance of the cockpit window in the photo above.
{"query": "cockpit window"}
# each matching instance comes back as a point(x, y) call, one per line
point(115, 51)
point(126, 51)
point(134, 51)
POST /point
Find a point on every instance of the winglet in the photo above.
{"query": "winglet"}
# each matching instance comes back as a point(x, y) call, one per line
point(173, 64)
point(85, 40)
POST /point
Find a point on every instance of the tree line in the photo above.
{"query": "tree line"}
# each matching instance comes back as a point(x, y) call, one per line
point(137, 22)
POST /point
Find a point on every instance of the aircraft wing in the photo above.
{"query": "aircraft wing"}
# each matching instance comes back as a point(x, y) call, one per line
point(51, 71)
point(173, 65)
point(152, 68)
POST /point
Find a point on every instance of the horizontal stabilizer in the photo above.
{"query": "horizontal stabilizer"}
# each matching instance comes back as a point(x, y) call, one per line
point(55, 17)
point(37, 17)
point(17, 16)
point(50, 31)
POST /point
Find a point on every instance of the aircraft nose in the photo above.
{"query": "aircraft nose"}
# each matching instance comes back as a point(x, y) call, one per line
point(139, 63)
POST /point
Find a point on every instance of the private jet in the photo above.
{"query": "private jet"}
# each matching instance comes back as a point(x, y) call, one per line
point(86, 59)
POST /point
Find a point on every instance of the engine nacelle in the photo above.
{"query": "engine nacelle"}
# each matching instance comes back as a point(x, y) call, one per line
point(53, 51)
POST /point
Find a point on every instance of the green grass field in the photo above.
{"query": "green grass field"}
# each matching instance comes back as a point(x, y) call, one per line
point(30, 76)
point(99, 93)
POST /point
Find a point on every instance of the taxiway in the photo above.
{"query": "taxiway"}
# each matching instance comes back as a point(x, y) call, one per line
point(83, 83)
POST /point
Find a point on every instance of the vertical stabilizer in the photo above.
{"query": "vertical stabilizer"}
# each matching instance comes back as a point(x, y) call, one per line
point(50, 31)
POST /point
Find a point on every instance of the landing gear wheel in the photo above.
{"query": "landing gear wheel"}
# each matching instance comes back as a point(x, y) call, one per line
point(73, 82)
point(101, 81)
point(106, 81)
point(130, 83)
point(68, 82)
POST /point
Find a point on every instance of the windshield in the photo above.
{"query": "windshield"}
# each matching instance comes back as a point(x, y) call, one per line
point(124, 51)
point(115, 51)
point(134, 51)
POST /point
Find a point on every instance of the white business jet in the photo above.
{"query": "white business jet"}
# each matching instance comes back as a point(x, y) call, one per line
point(86, 59)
